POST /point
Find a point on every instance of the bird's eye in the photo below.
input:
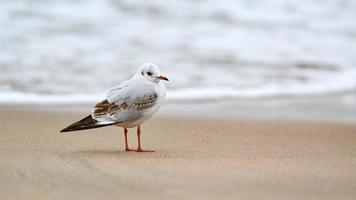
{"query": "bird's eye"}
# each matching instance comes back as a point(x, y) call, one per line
point(149, 73)
point(142, 73)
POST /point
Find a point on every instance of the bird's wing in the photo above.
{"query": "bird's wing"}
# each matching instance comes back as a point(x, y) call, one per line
point(126, 98)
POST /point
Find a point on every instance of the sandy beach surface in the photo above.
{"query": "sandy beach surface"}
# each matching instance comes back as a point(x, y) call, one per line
point(194, 159)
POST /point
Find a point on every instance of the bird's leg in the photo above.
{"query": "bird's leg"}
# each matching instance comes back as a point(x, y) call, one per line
point(126, 143)
point(139, 141)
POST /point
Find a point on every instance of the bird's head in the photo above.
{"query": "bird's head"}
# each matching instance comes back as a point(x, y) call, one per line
point(151, 72)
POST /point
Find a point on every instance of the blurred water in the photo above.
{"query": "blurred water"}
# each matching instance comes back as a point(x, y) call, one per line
point(52, 50)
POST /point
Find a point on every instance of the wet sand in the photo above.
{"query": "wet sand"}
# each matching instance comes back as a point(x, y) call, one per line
point(194, 159)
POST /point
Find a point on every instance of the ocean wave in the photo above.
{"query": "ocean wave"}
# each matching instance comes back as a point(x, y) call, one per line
point(184, 95)
point(68, 51)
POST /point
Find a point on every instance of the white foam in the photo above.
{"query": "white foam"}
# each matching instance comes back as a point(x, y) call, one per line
point(194, 94)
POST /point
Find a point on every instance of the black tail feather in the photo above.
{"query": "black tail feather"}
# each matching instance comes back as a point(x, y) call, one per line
point(86, 123)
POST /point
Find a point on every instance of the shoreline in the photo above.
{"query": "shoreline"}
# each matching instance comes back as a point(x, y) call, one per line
point(321, 108)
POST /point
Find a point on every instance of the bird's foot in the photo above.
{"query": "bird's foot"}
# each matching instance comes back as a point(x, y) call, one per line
point(144, 150)
point(128, 149)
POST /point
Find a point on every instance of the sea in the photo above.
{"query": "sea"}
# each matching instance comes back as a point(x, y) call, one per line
point(73, 51)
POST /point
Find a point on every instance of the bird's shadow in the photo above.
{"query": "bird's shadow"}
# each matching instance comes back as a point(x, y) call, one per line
point(107, 152)
point(113, 153)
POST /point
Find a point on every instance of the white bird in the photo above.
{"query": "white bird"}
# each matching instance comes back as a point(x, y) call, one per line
point(129, 104)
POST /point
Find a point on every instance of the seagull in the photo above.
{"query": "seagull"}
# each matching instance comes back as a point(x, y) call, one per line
point(128, 105)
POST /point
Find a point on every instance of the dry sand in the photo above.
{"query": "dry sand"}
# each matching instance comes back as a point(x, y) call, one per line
point(194, 159)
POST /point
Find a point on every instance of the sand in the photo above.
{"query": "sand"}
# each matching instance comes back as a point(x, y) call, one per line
point(194, 159)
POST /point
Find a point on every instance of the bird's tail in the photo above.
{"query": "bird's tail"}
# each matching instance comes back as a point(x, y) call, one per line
point(86, 123)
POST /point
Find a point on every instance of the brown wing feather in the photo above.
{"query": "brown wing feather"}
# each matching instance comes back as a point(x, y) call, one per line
point(146, 103)
point(106, 108)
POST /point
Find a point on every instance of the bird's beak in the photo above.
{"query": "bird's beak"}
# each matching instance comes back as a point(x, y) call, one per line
point(162, 78)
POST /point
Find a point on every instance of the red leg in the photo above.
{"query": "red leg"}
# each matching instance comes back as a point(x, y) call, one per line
point(126, 143)
point(139, 141)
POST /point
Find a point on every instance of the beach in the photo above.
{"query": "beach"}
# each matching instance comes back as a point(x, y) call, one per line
point(261, 99)
point(194, 159)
